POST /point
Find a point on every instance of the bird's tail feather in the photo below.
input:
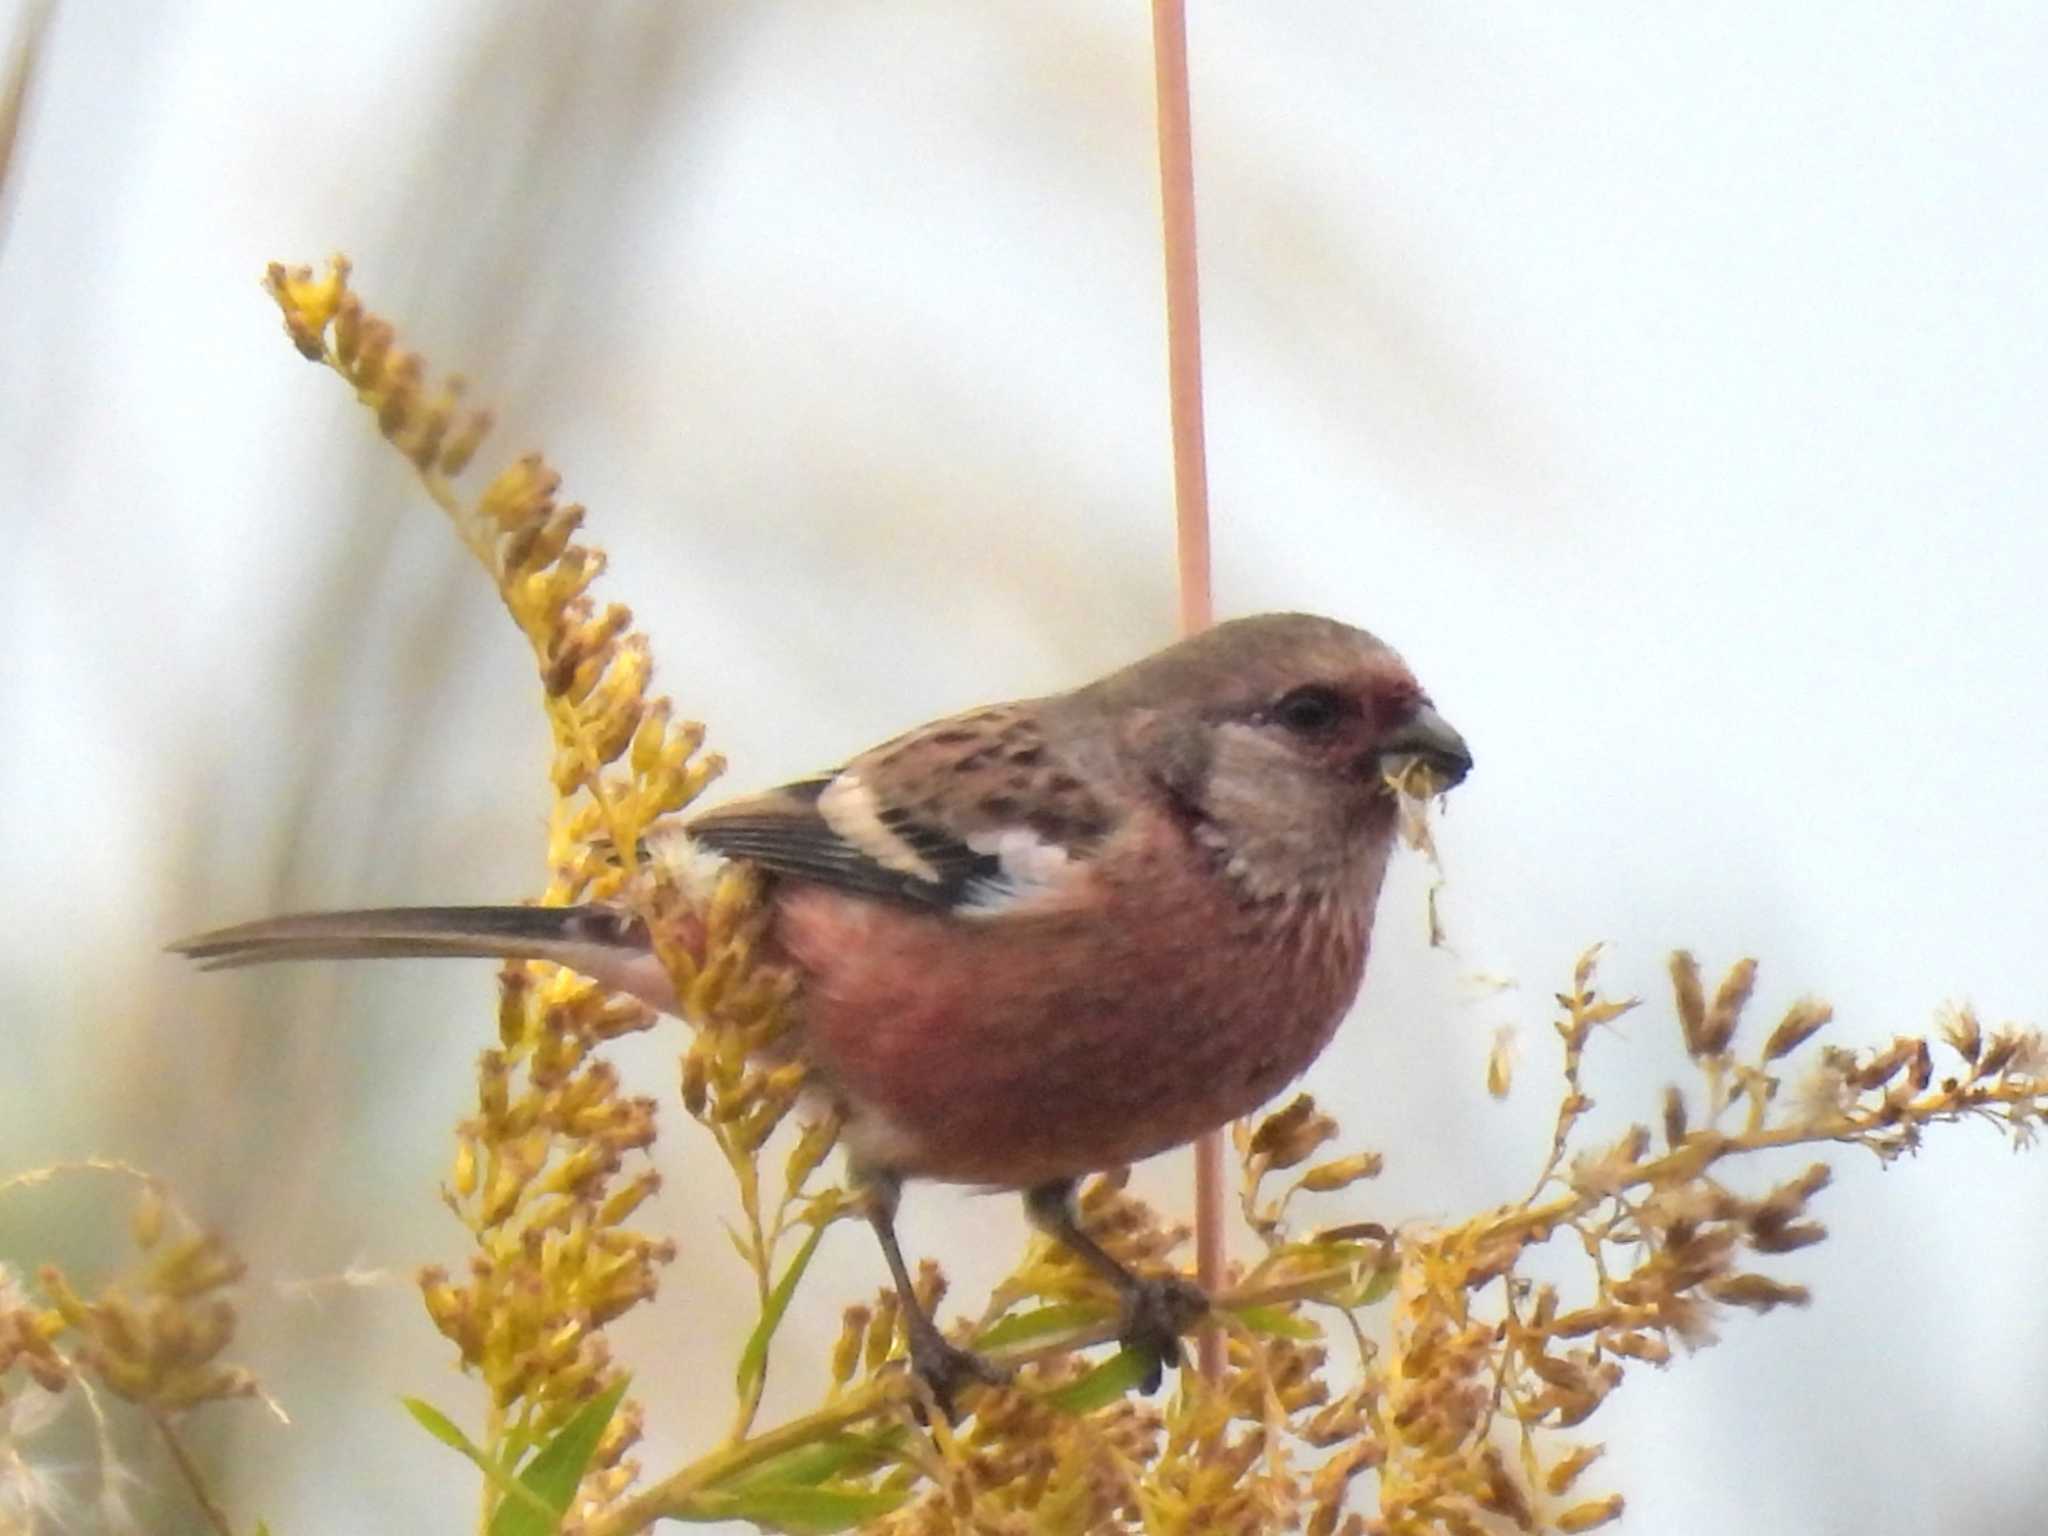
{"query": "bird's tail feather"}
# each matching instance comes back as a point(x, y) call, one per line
point(601, 942)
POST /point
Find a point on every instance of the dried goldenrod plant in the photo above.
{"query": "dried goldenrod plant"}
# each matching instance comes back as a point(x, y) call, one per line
point(1378, 1376)
point(152, 1337)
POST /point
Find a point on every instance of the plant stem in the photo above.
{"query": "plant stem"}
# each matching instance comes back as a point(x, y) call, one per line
point(1191, 500)
point(188, 1469)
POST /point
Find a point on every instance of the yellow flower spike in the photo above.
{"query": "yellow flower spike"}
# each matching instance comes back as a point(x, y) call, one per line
point(553, 590)
point(502, 1190)
point(684, 741)
point(735, 903)
point(881, 1339)
point(471, 428)
point(494, 1087)
point(57, 1289)
point(193, 1266)
point(651, 739)
point(542, 533)
point(576, 1172)
point(622, 1016)
point(121, 1376)
point(632, 1287)
point(118, 1326)
point(568, 772)
point(615, 720)
point(348, 330)
point(521, 494)
point(1590, 1515)
point(444, 1302)
point(398, 394)
point(752, 1129)
point(846, 1354)
point(700, 1003)
point(696, 1078)
point(372, 350)
point(595, 1083)
point(625, 1200)
point(578, 673)
point(506, 1378)
point(309, 303)
point(431, 425)
point(559, 1350)
point(214, 1384)
point(1341, 1173)
point(565, 1257)
point(557, 1053)
point(199, 1333)
point(515, 988)
point(813, 1143)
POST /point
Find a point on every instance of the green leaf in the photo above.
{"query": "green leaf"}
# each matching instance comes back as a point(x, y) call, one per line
point(1109, 1381)
point(813, 1463)
point(551, 1478)
point(445, 1430)
point(441, 1427)
point(799, 1511)
point(1036, 1324)
point(1277, 1320)
point(754, 1358)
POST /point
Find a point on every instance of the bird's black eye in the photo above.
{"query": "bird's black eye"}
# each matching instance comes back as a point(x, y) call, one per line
point(1310, 710)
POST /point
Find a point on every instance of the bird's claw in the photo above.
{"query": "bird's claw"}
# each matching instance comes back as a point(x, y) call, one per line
point(1158, 1309)
point(945, 1368)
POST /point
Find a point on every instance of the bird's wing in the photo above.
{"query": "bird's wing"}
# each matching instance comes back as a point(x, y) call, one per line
point(975, 814)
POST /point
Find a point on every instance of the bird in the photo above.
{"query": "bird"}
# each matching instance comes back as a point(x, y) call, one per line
point(1043, 938)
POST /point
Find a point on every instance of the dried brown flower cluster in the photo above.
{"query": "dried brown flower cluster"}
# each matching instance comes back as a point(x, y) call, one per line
point(1465, 1408)
point(153, 1337)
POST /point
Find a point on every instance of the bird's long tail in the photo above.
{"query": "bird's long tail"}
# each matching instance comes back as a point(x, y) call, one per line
point(604, 943)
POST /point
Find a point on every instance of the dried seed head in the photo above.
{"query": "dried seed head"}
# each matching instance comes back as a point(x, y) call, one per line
point(1500, 1493)
point(1290, 1135)
point(1692, 1003)
point(1344, 1171)
point(1674, 1116)
point(1786, 1237)
point(1591, 1515)
point(1999, 1051)
point(1959, 1027)
point(1500, 1062)
point(846, 1354)
point(1759, 1293)
point(1801, 1020)
point(1882, 1067)
point(881, 1339)
point(1726, 1012)
point(1559, 1479)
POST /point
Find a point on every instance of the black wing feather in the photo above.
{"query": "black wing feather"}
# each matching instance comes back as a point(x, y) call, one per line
point(805, 848)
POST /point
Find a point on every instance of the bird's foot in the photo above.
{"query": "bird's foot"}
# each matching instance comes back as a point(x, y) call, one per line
point(1158, 1309)
point(945, 1369)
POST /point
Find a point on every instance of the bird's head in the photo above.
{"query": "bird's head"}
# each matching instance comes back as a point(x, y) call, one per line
point(1279, 739)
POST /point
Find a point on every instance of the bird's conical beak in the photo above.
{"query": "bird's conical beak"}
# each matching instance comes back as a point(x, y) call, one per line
point(1426, 742)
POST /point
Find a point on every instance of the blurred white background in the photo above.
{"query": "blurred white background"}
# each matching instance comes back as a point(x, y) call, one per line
point(1665, 381)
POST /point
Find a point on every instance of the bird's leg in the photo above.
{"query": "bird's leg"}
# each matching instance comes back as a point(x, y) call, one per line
point(1156, 1308)
point(944, 1367)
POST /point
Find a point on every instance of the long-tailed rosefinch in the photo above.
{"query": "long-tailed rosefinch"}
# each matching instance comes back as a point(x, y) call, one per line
point(1045, 937)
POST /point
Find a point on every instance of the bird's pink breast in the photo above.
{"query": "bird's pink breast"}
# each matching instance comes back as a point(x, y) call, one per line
point(1006, 1051)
